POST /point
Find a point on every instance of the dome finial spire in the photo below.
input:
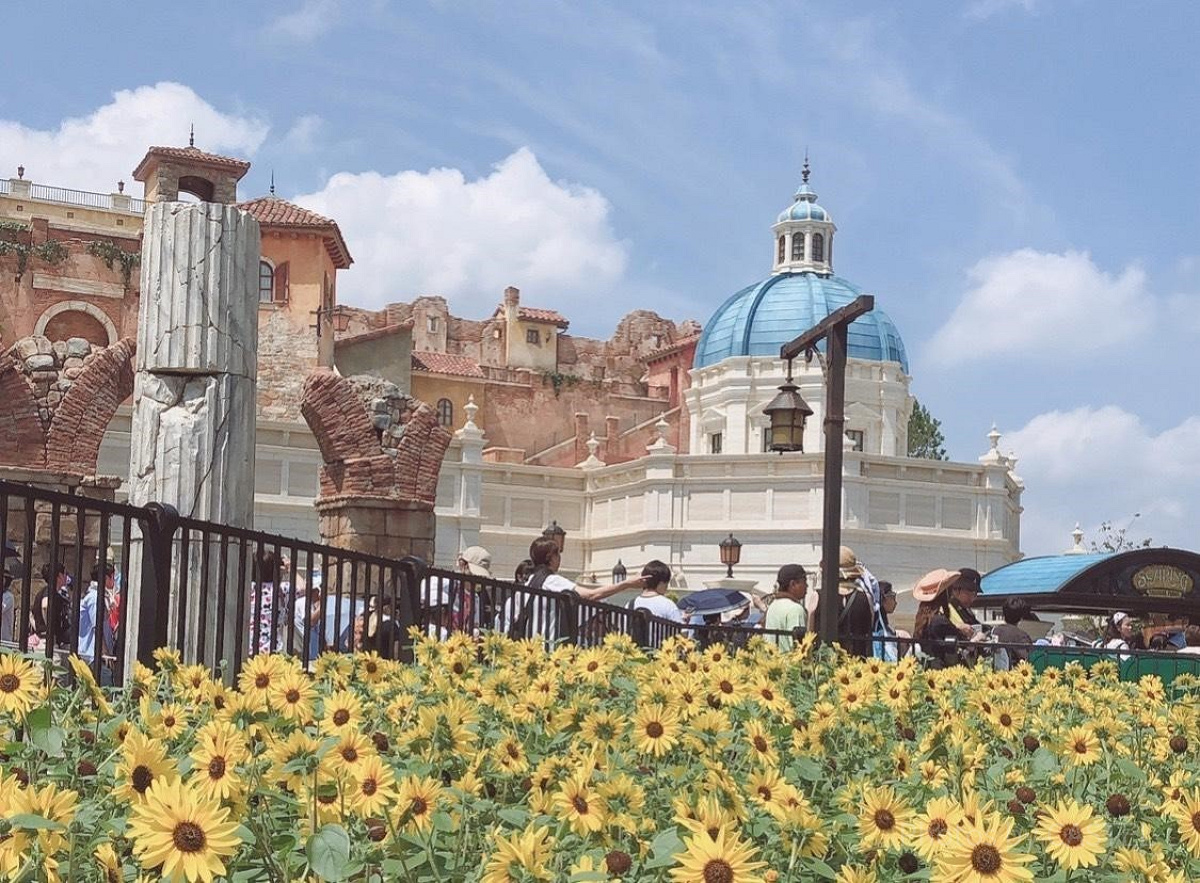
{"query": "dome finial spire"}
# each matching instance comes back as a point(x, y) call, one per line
point(804, 172)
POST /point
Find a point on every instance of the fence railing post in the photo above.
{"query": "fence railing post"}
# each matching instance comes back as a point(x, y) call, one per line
point(154, 604)
point(639, 628)
point(568, 617)
point(408, 605)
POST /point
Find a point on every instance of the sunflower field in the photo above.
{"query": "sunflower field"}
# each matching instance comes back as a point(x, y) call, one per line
point(496, 761)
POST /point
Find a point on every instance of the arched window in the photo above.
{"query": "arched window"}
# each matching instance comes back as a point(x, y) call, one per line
point(797, 246)
point(782, 245)
point(266, 282)
point(445, 412)
point(818, 247)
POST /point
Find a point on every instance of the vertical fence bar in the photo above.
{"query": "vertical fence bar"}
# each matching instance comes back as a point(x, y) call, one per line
point(202, 601)
point(102, 598)
point(123, 619)
point(154, 603)
point(53, 602)
point(183, 581)
point(83, 580)
point(30, 527)
point(239, 629)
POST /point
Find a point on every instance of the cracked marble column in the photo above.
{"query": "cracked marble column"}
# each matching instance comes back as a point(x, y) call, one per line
point(192, 439)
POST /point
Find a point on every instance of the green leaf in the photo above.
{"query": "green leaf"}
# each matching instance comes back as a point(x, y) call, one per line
point(442, 822)
point(1044, 762)
point(43, 733)
point(821, 868)
point(245, 835)
point(664, 848)
point(513, 816)
point(328, 853)
point(808, 769)
point(35, 823)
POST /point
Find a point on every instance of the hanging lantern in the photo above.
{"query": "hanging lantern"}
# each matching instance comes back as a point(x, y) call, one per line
point(788, 412)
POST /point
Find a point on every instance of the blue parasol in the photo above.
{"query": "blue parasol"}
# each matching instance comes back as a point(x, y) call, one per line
point(710, 602)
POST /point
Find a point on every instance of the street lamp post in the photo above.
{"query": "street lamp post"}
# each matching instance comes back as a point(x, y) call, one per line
point(556, 533)
point(834, 328)
point(731, 554)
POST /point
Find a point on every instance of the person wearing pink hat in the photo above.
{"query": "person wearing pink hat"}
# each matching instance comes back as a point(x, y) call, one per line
point(933, 630)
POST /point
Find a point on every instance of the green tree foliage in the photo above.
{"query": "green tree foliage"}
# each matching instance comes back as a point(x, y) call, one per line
point(925, 439)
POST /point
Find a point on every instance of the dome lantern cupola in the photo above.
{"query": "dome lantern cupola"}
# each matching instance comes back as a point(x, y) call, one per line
point(804, 234)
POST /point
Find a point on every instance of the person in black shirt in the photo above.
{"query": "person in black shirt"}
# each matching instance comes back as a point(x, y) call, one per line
point(856, 615)
point(1015, 611)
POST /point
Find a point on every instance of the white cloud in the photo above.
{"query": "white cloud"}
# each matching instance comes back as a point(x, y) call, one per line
point(1104, 464)
point(303, 134)
point(981, 9)
point(93, 152)
point(305, 24)
point(436, 232)
point(1044, 305)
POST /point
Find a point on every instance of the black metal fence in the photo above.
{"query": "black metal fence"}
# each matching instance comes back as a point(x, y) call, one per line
point(112, 582)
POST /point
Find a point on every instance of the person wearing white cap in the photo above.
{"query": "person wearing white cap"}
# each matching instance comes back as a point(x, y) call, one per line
point(1118, 631)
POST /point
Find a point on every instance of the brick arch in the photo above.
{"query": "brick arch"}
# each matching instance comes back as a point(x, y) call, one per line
point(81, 418)
point(77, 306)
point(366, 459)
point(337, 418)
point(22, 433)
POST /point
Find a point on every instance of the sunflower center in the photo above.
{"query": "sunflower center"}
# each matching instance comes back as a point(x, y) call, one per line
point(1080, 746)
point(262, 681)
point(514, 751)
point(764, 792)
point(726, 687)
point(9, 683)
point(937, 828)
point(369, 787)
point(581, 805)
point(985, 858)
point(169, 721)
point(188, 837)
point(292, 696)
point(768, 695)
point(418, 807)
point(372, 668)
point(1005, 720)
point(141, 777)
point(760, 744)
point(341, 717)
point(592, 666)
point(718, 871)
point(1196, 821)
point(349, 754)
point(1071, 835)
point(216, 768)
point(884, 820)
point(654, 729)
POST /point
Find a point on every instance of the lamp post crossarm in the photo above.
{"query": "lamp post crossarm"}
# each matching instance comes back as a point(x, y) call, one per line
point(864, 303)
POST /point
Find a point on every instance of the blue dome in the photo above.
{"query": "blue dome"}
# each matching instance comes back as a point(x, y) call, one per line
point(803, 211)
point(760, 319)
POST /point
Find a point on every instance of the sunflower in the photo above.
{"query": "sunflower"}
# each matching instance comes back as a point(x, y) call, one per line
point(521, 857)
point(982, 852)
point(374, 789)
point(509, 755)
point(883, 819)
point(1187, 818)
point(624, 801)
point(930, 827)
point(292, 695)
point(259, 675)
point(295, 760)
point(168, 722)
point(724, 857)
point(48, 802)
point(83, 675)
point(220, 749)
point(708, 816)
point(342, 711)
point(143, 761)
point(346, 758)
point(1081, 746)
point(580, 805)
point(761, 749)
point(416, 800)
point(1073, 834)
point(655, 730)
point(20, 683)
point(855, 874)
point(110, 865)
point(183, 833)
point(602, 727)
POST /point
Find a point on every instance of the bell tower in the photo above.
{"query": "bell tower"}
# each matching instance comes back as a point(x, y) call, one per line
point(169, 171)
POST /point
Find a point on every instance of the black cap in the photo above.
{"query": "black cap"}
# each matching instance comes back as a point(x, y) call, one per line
point(790, 572)
point(968, 578)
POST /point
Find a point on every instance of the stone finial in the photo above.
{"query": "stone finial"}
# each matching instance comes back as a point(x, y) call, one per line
point(592, 461)
point(993, 457)
point(470, 434)
point(1077, 537)
point(472, 409)
point(660, 445)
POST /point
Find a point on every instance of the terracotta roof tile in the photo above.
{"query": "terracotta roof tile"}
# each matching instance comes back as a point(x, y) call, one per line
point(533, 314)
point(670, 348)
point(272, 211)
point(445, 363)
point(195, 155)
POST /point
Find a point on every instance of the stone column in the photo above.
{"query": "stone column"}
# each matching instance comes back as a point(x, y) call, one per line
point(194, 398)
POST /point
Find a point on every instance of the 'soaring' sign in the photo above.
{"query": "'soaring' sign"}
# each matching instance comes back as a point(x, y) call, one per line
point(1163, 581)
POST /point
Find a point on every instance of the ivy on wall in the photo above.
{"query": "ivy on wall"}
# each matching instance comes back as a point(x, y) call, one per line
point(113, 255)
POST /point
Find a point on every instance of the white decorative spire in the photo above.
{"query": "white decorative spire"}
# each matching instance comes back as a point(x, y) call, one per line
point(993, 457)
point(592, 461)
point(660, 445)
point(1077, 536)
point(470, 435)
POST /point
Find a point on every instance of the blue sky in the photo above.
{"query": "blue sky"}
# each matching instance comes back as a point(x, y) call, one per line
point(1015, 180)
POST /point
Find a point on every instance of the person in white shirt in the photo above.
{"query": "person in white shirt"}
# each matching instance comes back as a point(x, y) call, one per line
point(656, 579)
point(527, 615)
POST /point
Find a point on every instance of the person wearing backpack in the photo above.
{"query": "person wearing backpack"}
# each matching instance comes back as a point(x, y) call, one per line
point(856, 616)
point(527, 615)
